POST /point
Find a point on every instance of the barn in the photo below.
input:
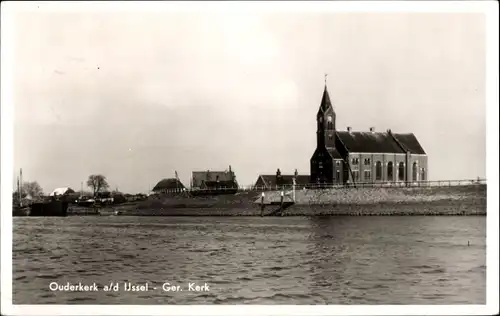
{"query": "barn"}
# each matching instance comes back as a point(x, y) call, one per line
point(170, 185)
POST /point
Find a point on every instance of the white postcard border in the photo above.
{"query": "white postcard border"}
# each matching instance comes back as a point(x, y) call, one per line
point(490, 8)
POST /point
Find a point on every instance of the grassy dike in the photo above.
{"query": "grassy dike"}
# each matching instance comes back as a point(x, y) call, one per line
point(458, 200)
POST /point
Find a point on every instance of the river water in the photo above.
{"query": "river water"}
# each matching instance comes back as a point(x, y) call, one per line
point(251, 260)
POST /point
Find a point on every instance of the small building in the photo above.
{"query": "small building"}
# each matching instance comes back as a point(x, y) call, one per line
point(62, 192)
point(214, 180)
point(170, 185)
point(273, 181)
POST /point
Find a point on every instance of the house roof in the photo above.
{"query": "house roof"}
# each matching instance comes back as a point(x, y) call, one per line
point(409, 143)
point(221, 184)
point(370, 142)
point(270, 180)
point(170, 183)
point(212, 175)
point(61, 191)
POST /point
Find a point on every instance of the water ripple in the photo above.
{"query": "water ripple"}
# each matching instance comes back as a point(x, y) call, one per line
point(253, 260)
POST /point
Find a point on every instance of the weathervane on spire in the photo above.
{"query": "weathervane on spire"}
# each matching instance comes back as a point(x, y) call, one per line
point(325, 78)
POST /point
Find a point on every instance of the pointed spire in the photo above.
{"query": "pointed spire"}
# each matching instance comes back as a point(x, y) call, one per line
point(325, 100)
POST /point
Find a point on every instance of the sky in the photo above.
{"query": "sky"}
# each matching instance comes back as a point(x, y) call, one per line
point(136, 96)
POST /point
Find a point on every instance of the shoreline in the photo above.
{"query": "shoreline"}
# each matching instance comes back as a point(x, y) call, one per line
point(440, 201)
point(431, 208)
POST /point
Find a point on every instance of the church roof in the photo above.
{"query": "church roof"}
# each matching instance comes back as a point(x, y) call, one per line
point(369, 142)
point(373, 142)
point(325, 101)
point(334, 153)
point(409, 143)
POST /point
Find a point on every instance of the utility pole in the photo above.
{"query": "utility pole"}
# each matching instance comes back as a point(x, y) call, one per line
point(21, 187)
point(176, 181)
point(21, 175)
point(18, 191)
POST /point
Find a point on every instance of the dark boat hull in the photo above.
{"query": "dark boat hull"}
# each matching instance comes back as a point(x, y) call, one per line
point(53, 208)
point(20, 211)
point(85, 203)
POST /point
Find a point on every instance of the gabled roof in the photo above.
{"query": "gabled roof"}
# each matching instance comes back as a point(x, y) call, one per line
point(373, 142)
point(166, 184)
point(270, 180)
point(409, 143)
point(61, 191)
point(212, 175)
point(369, 142)
point(325, 101)
point(220, 184)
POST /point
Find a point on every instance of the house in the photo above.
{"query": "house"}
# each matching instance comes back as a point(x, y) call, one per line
point(61, 192)
point(213, 180)
point(169, 185)
point(273, 181)
point(363, 156)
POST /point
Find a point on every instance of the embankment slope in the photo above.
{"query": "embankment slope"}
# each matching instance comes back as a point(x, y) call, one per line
point(458, 200)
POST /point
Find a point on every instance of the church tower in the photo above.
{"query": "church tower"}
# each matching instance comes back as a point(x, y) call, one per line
point(323, 162)
point(325, 132)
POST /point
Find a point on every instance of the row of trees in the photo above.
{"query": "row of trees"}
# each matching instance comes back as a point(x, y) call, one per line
point(96, 181)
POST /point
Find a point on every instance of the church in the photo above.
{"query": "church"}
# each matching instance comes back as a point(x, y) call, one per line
point(352, 157)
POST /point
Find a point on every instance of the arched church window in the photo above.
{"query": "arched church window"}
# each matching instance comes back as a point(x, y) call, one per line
point(401, 171)
point(414, 171)
point(422, 177)
point(390, 174)
point(378, 171)
point(329, 122)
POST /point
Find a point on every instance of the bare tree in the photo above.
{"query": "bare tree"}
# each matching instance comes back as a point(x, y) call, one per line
point(97, 182)
point(32, 189)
